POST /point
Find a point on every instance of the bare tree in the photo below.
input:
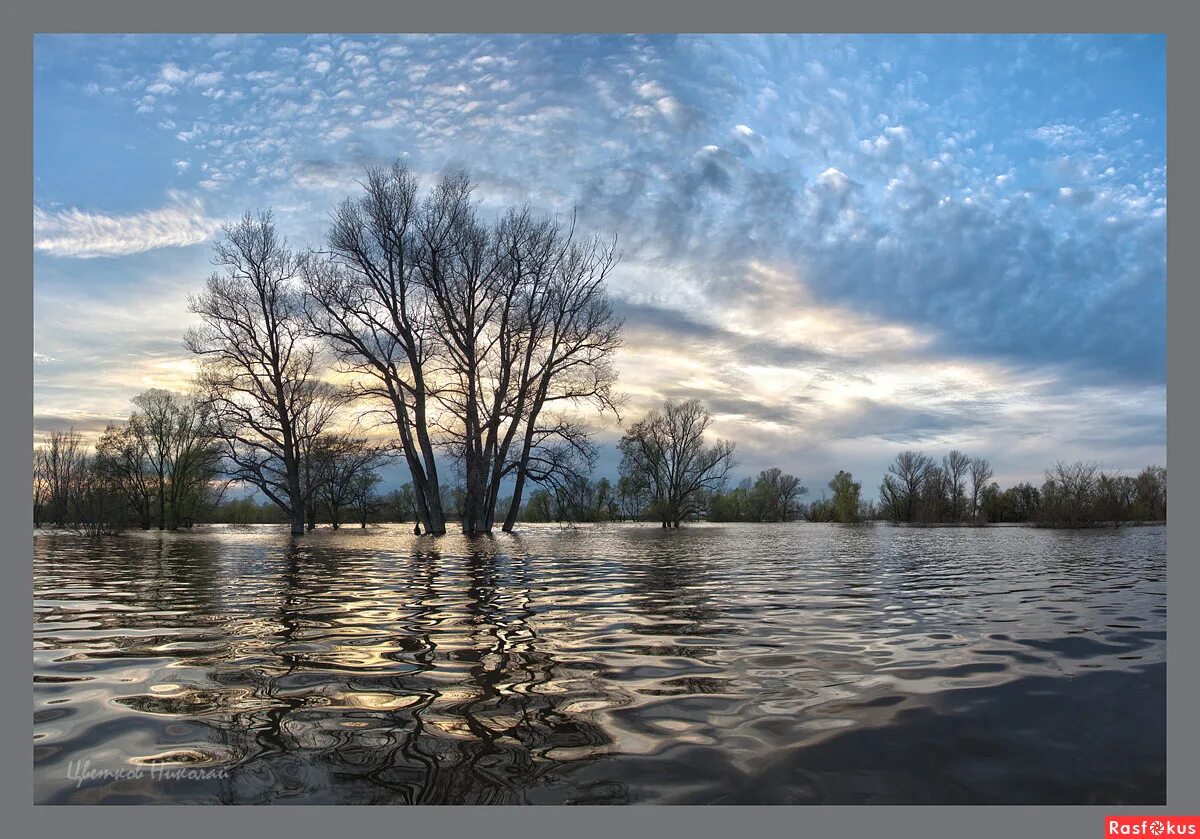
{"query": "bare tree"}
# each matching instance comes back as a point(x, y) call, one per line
point(909, 470)
point(667, 451)
point(525, 321)
point(339, 463)
point(981, 473)
point(176, 442)
point(462, 331)
point(363, 495)
point(64, 463)
point(570, 334)
point(368, 302)
point(260, 370)
point(956, 465)
point(632, 495)
point(120, 452)
point(40, 485)
point(1069, 494)
point(400, 503)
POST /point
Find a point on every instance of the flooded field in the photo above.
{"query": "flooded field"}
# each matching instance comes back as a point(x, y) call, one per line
point(755, 664)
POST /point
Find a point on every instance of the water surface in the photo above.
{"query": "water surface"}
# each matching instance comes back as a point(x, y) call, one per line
point(754, 664)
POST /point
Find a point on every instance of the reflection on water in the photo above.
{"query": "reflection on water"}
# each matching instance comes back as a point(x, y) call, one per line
point(616, 664)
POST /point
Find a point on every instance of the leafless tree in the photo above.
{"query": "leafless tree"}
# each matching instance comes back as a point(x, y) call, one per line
point(176, 442)
point(981, 473)
point(40, 485)
point(64, 462)
point(667, 451)
point(367, 301)
point(1069, 494)
point(121, 453)
point(569, 335)
point(956, 466)
point(463, 331)
point(260, 373)
point(910, 470)
point(525, 320)
point(632, 496)
point(339, 463)
point(363, 495)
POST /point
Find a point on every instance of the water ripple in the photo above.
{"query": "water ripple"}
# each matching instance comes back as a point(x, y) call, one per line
point(613, 664)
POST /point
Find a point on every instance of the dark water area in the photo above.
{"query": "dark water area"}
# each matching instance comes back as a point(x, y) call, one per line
point(754, 664)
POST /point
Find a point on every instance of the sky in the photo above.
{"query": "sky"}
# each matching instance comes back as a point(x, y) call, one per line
point(844, 246)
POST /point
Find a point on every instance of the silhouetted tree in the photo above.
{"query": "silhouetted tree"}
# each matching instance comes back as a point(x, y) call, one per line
point(339, 464)
point(632, 496)
point(465, 331)
point(64, 462)
point(667, 451)
point(260, 373)
point(363, 495)
point(955, 468)
point(400, 504)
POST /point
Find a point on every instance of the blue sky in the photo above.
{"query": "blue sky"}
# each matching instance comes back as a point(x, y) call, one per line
point(843, 245)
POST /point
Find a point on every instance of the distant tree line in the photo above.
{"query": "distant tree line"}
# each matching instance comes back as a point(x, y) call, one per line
point(918, 489)
point(167, 467)
point(170, 465)
point(773, 496)
point(959, 490)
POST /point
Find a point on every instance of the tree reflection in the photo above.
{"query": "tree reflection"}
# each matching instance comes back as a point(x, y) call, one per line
point(453, 703)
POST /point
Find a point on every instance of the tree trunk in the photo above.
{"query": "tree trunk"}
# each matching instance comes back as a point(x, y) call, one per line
point(514, 507)
point(297, 520)
point(162, 505)
point(296, 502)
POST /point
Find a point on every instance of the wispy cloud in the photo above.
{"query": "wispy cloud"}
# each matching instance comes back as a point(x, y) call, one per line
point(85, 235)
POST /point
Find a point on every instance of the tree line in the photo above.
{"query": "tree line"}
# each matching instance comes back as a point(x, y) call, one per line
point(166, 468)
point(958, 490)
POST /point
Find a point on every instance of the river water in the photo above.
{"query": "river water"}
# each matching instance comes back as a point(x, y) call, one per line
point(755, 664)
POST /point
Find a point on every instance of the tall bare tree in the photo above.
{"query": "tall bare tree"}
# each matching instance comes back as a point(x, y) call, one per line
point(463, 331)
point(909, 472)
point(667, 451)
point(367, 300)
point(956, 466)
point(260, 372)
point(981, 473)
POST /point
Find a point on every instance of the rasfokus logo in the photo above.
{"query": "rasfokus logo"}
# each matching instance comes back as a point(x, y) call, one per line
point(1151, 826)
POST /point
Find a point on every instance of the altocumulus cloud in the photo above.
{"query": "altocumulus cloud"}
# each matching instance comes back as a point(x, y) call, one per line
point(85, 235)
point(843, 245)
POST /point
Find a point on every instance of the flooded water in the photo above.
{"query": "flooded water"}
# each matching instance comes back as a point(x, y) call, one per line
point(614, 664)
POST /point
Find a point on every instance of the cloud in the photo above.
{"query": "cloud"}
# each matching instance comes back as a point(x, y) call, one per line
point(83, 234)
point(845, 245)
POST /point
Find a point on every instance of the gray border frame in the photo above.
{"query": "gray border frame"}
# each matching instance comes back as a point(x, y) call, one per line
point(22, 818)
